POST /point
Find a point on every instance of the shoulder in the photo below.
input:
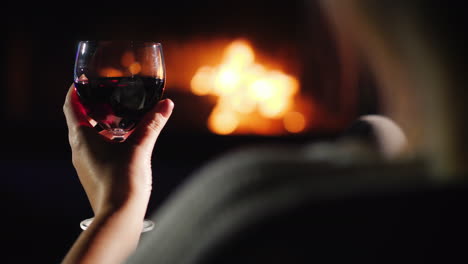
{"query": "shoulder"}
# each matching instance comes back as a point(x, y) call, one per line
point(243, 186)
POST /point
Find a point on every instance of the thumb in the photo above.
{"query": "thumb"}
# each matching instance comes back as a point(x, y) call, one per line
point(147, 131)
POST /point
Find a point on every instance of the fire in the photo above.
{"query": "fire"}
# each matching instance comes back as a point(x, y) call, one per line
point(251, 97)
point(294, 122)
point(223, 122)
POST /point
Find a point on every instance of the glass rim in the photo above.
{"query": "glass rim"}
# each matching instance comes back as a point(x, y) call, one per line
point(141, 42)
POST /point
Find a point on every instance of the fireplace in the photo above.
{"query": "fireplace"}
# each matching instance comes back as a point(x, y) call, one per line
point(270, 70)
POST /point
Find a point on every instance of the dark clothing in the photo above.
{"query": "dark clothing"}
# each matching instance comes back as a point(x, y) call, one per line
point(296, 205)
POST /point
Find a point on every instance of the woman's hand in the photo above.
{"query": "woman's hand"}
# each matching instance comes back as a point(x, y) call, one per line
point(117, 179)
point(111, 173)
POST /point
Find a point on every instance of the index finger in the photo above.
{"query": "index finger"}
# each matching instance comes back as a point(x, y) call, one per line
point(75, 114)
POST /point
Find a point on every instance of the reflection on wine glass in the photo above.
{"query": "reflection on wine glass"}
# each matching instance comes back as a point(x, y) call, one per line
point(118, 82)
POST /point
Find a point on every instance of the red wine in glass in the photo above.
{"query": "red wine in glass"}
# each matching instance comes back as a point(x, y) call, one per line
point(118, 103)
point(118, 82)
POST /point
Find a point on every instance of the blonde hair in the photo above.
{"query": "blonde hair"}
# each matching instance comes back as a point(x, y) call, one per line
point(421, 80)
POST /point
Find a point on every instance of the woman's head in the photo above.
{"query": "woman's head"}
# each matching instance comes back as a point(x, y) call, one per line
point(415, 52)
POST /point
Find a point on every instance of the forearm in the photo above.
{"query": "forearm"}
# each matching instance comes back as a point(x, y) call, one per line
point(112, 236)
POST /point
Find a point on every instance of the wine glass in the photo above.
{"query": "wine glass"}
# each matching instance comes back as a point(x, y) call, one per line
point(117, 83)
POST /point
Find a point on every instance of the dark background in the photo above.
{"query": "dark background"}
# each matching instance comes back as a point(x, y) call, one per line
point(42, 199)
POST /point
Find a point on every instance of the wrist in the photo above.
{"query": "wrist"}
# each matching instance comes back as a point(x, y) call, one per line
point(132, 203)
point(114, 229)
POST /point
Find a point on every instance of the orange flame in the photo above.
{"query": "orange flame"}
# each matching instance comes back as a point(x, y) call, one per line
point(248, 91)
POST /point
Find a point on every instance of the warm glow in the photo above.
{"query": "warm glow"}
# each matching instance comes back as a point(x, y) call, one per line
point(250, 95)
point(239, 55)
point(223, 122)
point(226, 80)
point(128, 58)
point(242, 104)
point(261, 90)
point(294, 122)
point(275, 107)
point(110, 72)
point(135, 68)
point(202, 81)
